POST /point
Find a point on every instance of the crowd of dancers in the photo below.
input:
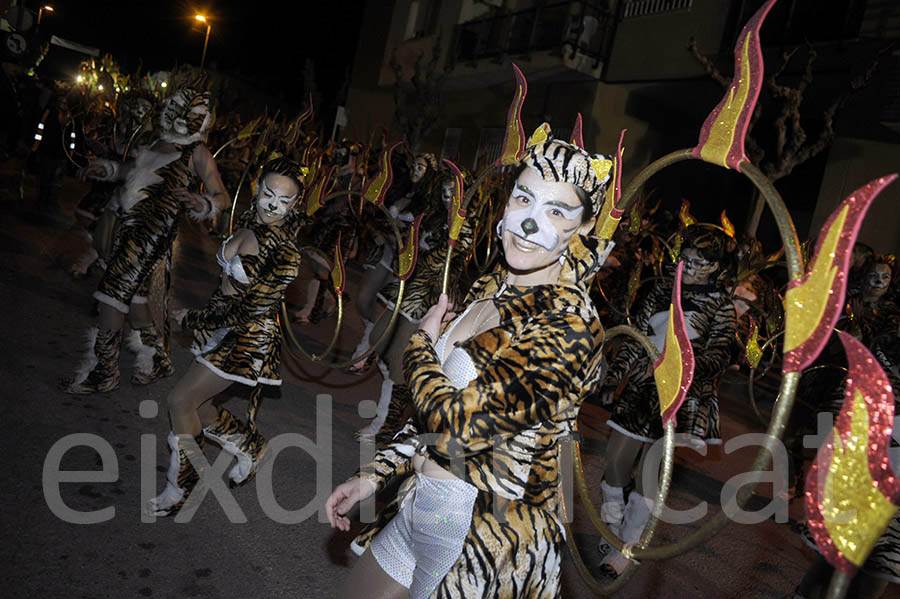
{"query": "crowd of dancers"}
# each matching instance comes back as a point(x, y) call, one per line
point(495, 369)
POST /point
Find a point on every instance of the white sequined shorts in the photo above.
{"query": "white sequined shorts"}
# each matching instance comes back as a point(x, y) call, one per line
point(423, 541)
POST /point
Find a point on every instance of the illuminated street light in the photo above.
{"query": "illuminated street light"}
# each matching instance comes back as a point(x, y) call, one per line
point(163, 84)
point(41, 12)
point(204, 20)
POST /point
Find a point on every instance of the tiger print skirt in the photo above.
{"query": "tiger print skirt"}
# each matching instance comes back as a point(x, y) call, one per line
point(248, 353)
point(145, 234)
point(636, 413)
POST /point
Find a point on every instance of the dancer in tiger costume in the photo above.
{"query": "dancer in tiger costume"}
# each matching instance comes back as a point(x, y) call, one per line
point(711, 322)
point(97, 208)
point(497, 391)
point(153, 197)
point(237, 338)
point(422, 291)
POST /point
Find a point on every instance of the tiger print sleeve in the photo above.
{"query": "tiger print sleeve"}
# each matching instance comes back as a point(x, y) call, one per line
point(712, 349)
point(630, 350)
point(528, 380)
point(393, 460)
point(254, 299)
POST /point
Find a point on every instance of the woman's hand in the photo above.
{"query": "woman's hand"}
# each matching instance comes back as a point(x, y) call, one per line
point(342, 500)
point(437, 315)
point(191, 201)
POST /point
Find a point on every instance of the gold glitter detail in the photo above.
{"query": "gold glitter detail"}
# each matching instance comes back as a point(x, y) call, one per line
point(805, 304)
point(726, 225)
point(407, 258)
point(601, 168)
point(721, 134)
point(513, 147)
point(373, 192)
point(337, 272)
point(540, 135)
point(854, 511)
point(668, 373)
point(754, 352)
point(607, 223)
point(684, 213)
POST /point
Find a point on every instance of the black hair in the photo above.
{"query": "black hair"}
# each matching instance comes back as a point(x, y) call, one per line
point(286, 168)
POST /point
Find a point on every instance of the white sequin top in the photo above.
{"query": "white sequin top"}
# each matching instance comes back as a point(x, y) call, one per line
point(457, 364)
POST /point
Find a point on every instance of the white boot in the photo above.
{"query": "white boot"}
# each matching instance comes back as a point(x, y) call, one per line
point(612, 511)
point(637, 514)
point(381, 412)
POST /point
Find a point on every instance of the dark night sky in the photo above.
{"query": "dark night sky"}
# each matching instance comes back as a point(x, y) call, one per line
point(265, 42)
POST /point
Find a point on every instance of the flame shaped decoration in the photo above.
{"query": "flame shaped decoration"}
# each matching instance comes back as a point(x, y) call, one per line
point(250, 127)
point(813, 302)
point(314, 195)
point(722, 136)
point(674, 371)
point(337, 271)
point(610, 215)
point(377, 189)
point(752, 349)
point(410, 252)
point(456, 216)
point(851, 490)
point(684, 215)
point(726, 225)
point(308, 150)
point(577, 136)
point(514, 140)
point(293, 132)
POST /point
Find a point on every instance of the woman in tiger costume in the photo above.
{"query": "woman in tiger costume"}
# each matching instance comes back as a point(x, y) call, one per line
point(153, 197)
point(237, 338)
point(422, 291)
point(711, 322)
point(495, 395)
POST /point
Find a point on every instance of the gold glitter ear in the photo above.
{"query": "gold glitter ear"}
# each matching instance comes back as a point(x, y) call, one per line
point(601, 168)
point(540, 135)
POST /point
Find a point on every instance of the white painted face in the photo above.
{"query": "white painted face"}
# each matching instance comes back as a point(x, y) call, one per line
point(878, 280)
point(540, 219)
point(447, 191)
point(542, 212)
point(420, 167)
point(275, 197)
point(697, 270)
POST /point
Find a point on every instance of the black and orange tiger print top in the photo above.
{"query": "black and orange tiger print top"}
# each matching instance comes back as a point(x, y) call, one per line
point(269, 273)
point(501, 433)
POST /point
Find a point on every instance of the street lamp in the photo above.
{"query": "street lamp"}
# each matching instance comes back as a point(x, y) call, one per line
point(203, 19)
point(41, 12)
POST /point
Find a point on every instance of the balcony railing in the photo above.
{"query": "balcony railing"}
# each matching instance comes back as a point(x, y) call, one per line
point(571, 26)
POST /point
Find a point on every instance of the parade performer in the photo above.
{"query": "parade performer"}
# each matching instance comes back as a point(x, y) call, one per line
point(498, 390)
point(381, 265)
point(710, 318)
point(422, 291)
point(237, 338)
point(97, 208)
point(152, 199)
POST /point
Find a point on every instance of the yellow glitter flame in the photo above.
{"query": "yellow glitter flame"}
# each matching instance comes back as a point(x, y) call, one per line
point(854, 511)
point(752, 348)
point(540, 135)
point(668, 373)
point(805, 304)
point(721, 134)
point(337, 272)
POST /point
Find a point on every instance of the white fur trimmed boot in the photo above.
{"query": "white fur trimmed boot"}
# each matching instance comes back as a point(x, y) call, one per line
point(99, 370)
point(234, 437)
point(637, 514)
point(381, 411)
point(612, 512)
point(181, 479)
point(153, 362)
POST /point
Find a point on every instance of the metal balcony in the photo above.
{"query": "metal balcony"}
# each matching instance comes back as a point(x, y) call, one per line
point(561, 28)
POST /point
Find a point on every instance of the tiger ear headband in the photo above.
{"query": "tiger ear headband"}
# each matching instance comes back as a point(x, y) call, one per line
point(560, 161)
